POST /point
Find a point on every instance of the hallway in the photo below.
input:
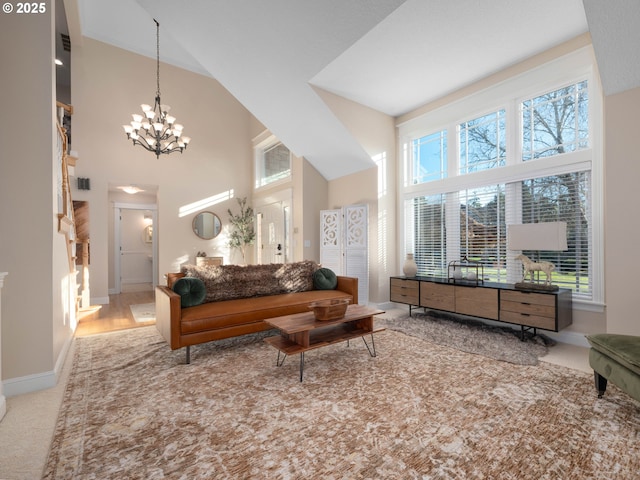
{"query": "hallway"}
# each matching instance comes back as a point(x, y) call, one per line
point(114, 316)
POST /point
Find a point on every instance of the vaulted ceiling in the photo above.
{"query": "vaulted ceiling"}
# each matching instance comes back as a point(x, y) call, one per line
point(390, 55)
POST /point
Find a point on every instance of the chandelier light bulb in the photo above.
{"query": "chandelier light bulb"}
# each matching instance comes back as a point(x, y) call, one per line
point(155, 130)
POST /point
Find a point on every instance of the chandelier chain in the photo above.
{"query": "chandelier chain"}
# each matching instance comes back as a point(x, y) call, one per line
point(157, 56)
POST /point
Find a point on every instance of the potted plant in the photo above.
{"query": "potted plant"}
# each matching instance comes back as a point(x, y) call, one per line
point(242, 232)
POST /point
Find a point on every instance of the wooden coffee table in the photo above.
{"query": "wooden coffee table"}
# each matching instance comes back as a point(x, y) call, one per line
point(301, 332)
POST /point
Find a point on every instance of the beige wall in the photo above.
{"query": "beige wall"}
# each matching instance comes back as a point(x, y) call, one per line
point(622, 230)
point(36, 323)
point(109, 84)
point(376, 187)
point(315, 197)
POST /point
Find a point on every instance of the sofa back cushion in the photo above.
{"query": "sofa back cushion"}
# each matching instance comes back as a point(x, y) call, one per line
point(227, 282)
point(325, 279)
point(191, 290)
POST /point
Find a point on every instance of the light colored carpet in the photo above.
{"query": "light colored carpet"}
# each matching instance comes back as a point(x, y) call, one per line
point(472, 336)
point(143, 312)
point(134, 410)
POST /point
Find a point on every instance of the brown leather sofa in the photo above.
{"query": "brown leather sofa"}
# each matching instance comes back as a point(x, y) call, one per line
point(184, 327)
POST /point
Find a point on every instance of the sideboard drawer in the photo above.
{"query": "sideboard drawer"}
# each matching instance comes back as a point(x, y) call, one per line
point(405, 291)
point(438, 296)
point(537, 321)
point(528, 308)
point(531, 298)
point(478, 302)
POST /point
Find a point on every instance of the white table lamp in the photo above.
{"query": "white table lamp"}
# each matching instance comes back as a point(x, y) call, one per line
point(548, 236)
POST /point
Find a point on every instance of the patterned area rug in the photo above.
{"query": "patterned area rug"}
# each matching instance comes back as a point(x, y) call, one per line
point(133, 409)
point(473, 336)
point(143, 312)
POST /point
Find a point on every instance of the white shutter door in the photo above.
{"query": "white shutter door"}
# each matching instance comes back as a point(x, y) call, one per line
point(356, 242)
point(331, 240)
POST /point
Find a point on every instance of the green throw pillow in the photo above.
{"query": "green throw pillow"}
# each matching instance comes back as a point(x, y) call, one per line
point(325, 279)
point(191, 290)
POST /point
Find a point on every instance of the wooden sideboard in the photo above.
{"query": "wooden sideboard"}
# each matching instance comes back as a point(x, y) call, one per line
point(495, 301)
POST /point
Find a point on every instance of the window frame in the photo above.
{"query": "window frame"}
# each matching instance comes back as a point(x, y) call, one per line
point(508, 95)
point(259, 152)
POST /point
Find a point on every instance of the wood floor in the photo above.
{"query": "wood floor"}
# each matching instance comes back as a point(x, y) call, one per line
point(112, 317)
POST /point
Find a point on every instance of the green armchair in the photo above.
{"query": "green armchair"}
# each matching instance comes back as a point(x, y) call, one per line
point(616, 359)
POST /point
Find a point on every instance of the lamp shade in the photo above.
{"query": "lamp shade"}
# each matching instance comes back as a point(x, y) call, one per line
point(537, 236)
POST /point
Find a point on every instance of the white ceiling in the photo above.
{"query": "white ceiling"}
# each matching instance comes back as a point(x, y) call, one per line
point(390, 55)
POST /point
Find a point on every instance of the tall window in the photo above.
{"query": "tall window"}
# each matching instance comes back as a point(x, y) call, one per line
point(426, 225)
point(483, 229)
point(564, 198)
point(467, 215)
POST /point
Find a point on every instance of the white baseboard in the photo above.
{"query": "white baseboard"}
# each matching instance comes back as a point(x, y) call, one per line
point(99, 300)
point(29, 383)
point(386, 306)
point(3, 406)
point(572, 338)
point(37, 381)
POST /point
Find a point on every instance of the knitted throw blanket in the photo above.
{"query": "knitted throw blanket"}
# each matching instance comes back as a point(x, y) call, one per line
point(227, 282)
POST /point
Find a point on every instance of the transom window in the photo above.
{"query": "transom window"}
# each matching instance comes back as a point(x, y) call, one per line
point(429, 155)
point(556, 122)
point(482, 143)
point(273, 163)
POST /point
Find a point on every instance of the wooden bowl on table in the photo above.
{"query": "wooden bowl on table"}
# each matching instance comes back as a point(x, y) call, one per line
point(329, 309)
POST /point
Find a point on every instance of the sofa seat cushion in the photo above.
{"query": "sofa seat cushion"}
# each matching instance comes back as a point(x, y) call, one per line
point(624, 349)
point(213, 315)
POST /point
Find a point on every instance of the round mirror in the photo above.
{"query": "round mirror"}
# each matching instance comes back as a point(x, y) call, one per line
point(206, 225)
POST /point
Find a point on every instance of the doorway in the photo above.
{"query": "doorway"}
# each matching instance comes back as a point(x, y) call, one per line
point(135, 248)
point(271, 238)
point(273, 228)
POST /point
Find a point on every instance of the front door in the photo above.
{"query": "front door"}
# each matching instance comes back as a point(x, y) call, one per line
point(272, 246)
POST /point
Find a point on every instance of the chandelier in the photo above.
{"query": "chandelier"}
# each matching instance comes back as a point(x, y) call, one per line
point(155, 130)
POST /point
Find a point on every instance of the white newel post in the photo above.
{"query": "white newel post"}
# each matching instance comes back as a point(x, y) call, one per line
point(3, 401)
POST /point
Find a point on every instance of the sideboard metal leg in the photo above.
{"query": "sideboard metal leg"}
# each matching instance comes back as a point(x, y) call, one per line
point(188, 354)
point(524, 329)
point(301, 364)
